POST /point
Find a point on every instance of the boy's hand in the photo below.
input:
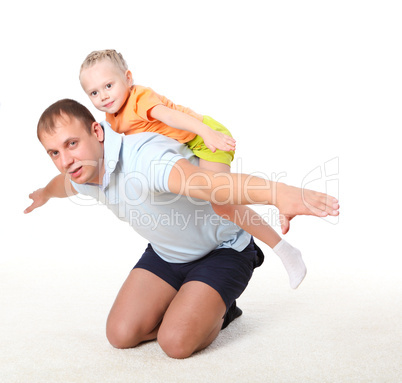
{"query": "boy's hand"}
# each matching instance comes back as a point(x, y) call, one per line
point(39, 198)
point(179, 120)
point(217, 140)
point(292, 201)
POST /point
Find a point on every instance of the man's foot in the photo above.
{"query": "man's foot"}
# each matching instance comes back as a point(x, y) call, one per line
point(293, 262)
point(233, 313)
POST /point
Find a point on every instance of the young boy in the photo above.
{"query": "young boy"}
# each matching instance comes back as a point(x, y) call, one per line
point(131, 109)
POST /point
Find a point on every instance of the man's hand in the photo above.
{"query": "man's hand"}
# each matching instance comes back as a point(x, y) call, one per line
point(243, 189)
point(39, 197)
point(59, 187)
point(292, 201)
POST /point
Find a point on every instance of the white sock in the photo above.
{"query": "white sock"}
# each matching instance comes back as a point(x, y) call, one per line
point(293, 262)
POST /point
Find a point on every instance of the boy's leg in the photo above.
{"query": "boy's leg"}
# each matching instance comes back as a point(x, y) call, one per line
point(138, 309)
point(242, 215)
point(192, 321)
point(254, 224)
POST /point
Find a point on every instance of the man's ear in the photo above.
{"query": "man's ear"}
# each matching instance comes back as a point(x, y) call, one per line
point(97, 129)
point(129, 77)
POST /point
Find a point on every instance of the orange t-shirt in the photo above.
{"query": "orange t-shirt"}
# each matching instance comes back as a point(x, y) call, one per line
point(134, 116)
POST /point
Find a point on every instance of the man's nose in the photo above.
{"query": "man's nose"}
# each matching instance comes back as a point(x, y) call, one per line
point(66, 160)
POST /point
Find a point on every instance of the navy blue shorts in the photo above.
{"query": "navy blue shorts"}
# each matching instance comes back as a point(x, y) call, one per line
point(226, 270)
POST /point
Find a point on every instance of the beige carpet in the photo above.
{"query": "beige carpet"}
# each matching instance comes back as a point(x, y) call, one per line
point(299, 84)
point(342, 325)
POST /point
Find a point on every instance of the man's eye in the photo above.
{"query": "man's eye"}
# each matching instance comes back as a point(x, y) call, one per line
point(108, 86)
point(73, 143)
point(54, 153)
point(94, 93)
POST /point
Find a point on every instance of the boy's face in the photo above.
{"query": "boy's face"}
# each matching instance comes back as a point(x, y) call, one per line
point(76, 154)
point(107, 87)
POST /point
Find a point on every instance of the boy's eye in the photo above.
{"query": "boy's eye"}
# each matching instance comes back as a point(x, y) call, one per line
point(108, 86)
point(94, 93)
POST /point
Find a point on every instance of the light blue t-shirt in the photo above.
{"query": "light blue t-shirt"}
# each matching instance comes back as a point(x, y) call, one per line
point(135, 187)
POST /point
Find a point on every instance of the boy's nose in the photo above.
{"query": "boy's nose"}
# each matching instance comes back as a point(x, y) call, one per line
point(104, 96)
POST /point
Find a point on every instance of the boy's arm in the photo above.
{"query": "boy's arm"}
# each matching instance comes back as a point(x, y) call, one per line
point(59, 187)
point(176, 119)
point(243, 189)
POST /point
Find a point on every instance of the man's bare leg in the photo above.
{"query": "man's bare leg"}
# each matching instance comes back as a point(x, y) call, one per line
point(138, 309)
point(192, 321)
point(147, 308)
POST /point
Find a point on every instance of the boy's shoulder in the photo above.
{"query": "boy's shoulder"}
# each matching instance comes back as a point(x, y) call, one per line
point(138, 90)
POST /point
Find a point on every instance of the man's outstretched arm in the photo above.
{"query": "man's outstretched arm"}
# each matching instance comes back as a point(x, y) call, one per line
point(243, 189)
point(58, 187)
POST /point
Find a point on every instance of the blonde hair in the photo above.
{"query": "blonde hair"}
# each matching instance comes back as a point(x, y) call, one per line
point(108, 54)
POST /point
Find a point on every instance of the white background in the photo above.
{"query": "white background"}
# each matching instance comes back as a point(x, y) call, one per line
point(298, 83)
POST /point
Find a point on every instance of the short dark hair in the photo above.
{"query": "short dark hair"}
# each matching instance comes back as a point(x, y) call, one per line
point(70, 108)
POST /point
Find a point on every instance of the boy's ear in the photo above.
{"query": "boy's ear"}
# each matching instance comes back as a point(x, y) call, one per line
point(98, 131)
point(129, 77)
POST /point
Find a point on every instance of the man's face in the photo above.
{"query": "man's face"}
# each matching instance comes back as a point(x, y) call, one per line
point(106, 86)
point(76, 153)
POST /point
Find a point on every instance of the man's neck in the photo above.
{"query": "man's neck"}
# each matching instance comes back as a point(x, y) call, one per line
point(98, 180)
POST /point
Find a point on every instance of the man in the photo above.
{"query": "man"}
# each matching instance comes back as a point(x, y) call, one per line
point(183, 289)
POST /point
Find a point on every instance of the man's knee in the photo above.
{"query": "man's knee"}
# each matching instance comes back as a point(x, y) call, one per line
point(121, 336)
point(176, 344)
